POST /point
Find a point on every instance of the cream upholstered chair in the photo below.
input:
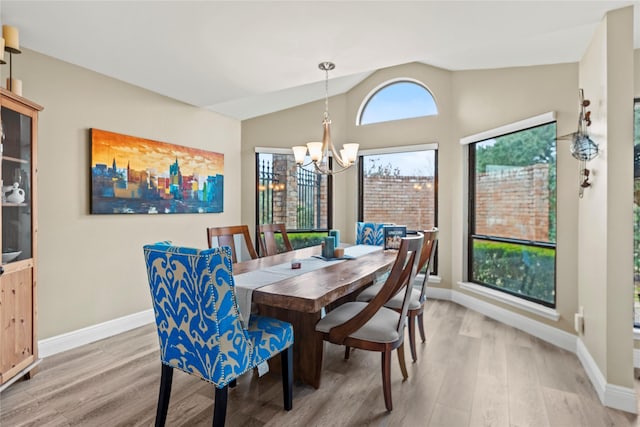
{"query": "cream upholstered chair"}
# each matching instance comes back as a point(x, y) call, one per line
point(418, 297)
point(226, 237)
point(199, 325)
point(267, 238)
point(370, 325)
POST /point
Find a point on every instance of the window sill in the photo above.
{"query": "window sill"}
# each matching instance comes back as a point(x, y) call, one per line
point(531, 307)
point(417, 282)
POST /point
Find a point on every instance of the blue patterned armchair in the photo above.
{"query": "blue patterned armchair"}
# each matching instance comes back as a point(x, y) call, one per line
point(369, 233)
point(199, 324)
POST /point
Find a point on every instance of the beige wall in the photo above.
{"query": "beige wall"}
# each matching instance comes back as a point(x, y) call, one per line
point(468, 102)
point(605, 223)
point(285, 129)
point(91, 267)
point(490, 98)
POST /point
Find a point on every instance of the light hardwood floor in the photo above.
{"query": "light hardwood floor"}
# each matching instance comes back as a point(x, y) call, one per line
point(472, 371)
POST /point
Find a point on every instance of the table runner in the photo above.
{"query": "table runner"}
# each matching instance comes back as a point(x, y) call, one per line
point(247, 282)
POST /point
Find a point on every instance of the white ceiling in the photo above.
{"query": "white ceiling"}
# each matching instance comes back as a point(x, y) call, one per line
point(248, 58)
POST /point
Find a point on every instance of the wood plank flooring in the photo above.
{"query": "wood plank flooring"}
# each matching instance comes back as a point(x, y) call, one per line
point(472, 371)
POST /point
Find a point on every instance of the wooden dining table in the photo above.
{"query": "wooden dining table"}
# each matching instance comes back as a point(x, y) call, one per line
point(300, 299)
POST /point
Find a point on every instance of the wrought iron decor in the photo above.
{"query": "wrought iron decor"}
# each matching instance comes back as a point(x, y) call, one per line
point(583, 148)
point(136, 175)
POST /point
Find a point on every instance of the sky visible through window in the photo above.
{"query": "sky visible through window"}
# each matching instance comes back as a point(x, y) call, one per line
point(415, 163)
point(402, 100)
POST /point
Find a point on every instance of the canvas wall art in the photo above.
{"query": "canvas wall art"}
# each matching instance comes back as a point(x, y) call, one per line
point(137, 175)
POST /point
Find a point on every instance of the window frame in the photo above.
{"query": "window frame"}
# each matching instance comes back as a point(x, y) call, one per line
point(471, 141)
point(285, 151)
point(394, 150)
point(636, 326)
point(385, 85)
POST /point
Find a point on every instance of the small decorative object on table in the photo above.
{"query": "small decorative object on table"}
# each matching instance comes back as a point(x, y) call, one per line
point(296, 264)
point(336, 235)
point(328, 247)
point(393, 235)
point(338, 252)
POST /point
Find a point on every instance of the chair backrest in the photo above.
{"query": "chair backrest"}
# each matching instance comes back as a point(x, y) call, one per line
point(426, 258)
point(369, 233)
point(403, 272)
point(267, 238)
point(197, 317)
point(226, 237)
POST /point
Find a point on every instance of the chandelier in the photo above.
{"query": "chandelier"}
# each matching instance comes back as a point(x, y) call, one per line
point(319, 151)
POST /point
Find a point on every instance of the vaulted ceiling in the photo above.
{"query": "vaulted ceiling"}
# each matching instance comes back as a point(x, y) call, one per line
point(248, 58)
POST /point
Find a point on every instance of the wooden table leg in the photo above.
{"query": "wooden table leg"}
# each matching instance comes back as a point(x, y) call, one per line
point(307, 348)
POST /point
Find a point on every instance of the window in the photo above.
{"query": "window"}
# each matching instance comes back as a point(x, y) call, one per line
point(398, 100)
point(296, 197)
point(636, 212)
point(399, 187)
point(512, 212)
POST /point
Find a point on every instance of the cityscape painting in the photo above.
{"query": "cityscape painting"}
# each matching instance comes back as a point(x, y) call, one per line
point(136, 175)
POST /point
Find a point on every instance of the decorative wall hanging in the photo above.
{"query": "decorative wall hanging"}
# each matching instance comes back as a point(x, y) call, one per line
point(583, 148)
point(136, 175)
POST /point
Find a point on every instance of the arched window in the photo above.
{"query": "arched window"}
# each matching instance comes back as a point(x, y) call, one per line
point(397, 100)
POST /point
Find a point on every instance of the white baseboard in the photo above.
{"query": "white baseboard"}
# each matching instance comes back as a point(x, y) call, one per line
point(610, 395)
point(50, 346)
point(613, 396)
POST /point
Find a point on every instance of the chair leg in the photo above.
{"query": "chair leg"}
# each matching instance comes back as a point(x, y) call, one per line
point(386, 379)
point(412, 337)
point(347, 351)
point(286, 358)
point(401, 361)
point(166, 377)
point(220, 406)
point(421, 327)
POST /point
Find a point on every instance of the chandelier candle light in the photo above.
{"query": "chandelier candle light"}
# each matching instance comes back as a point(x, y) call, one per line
point(319, 151)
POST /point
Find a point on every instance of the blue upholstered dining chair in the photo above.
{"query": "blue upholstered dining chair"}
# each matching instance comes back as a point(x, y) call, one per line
point(369, 233)
point(199, 325)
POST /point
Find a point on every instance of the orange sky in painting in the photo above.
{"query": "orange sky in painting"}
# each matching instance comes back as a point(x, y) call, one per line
point(143, 154)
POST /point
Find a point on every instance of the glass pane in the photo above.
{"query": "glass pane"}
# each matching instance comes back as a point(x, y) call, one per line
point(400, 188)
point(294, 196)
point(514, 198)
point(518, 269)
point(16, 188)
point(402, 100)
point(636, 214)
point(515, 185)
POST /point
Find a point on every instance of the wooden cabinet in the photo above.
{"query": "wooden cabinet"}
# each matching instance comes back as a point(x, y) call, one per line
point(19, 219)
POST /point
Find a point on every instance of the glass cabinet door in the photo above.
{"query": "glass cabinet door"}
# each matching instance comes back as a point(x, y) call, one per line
point(16, 188)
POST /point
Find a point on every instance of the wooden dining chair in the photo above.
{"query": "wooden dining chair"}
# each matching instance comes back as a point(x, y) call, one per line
point(370, 325)
point(418, 297)
point(200, 328)
point(267, 239)
point(226, 237)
